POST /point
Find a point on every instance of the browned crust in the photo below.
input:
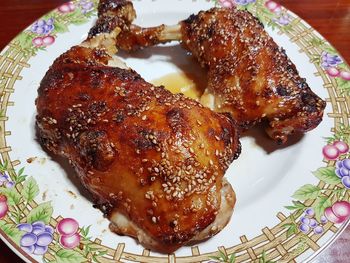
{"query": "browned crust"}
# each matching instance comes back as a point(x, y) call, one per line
point(249, 75)
point(156, 157)
point(112, 14)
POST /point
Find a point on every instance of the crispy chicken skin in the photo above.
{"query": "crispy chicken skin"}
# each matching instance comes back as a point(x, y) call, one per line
point(153, 161)
point(248, 74)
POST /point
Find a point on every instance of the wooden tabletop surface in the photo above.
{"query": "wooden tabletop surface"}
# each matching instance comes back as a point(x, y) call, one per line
point(330, 18)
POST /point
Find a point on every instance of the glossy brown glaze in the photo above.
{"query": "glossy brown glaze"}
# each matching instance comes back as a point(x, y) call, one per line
point(136, 37)
point(155, 157)
point(147, 156)
point(113, 13)
point(122, 13)
point(249, 75)
point(330, 18)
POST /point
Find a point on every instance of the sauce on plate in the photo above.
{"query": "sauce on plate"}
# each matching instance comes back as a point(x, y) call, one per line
point(191, 85)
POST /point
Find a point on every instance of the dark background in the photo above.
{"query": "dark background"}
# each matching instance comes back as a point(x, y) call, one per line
point(330, 18)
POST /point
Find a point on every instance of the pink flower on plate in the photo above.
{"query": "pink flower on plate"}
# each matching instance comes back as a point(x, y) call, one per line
point(66, 8)
point(232, 3)
point(38, 41)
point(48, 40)
point(3, 206)
point(333, 72)
point(227, 3)
point(345, 75)
point(339, 212)
point(43, 41)
point(68, 229)
point(273, 7)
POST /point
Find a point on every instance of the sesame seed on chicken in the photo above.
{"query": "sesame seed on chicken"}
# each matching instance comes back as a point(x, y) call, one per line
point(153, 161)
point(249, 75)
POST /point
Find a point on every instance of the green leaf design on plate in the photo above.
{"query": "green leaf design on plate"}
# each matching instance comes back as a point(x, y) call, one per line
point(232, 258)
point(297, 206)
point(20, 176)
point(11, 231)
point(291, 229)
point(42, 212)
point(317, 42)
point(76, 18)
point(306, 192)
point(327, 175)
point(19, 179)
point(216, 2)
point(320, 205)
point(20, 171)
point(30, 189)
point(13, 197)
point(223, 258)
point(84, 231)
point(4, 167)
point(343, 67)
point(330, 49)
point(342, 133)
point(69, 256)
point(343, 85)
point(60, 27)
point(264, 259)
point(25, 40)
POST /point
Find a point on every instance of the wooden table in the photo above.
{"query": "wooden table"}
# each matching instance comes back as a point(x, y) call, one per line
point(330, 18)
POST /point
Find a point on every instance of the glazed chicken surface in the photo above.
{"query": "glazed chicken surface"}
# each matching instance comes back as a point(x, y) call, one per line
point(249, 76)
point(153, 161)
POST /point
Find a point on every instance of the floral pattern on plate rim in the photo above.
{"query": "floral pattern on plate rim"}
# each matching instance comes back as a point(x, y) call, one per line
point(314, 209)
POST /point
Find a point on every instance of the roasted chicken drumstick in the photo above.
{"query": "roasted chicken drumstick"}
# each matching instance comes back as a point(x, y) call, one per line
point(248, 74)
point(153, 161)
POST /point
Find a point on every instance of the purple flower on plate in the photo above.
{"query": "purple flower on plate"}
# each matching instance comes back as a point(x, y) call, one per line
point(6, 181)
point(3, 178)
point(36, 238)
point(232, 3)
point(283, 20)
point(86, 6)
point(328, 60)
point(10, 184)
point(244, 2)
point(43, 27)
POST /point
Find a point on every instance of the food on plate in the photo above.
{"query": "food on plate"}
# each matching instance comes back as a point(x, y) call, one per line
point(153, 161)
point(249, 76)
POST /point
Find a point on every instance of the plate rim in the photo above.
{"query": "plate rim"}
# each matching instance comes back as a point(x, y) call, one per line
point(314, 254)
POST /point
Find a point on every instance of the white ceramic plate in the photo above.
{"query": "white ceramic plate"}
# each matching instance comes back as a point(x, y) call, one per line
point(282, 192)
